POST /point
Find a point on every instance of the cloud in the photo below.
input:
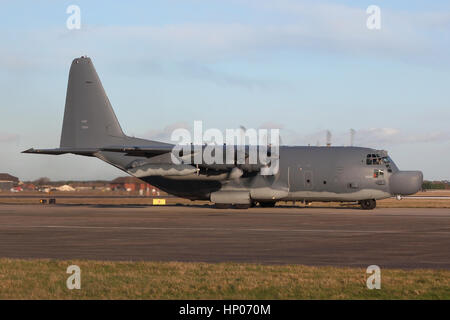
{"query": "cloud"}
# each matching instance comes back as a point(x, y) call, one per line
point(307, 26)
point(391, 136)
point(203, 72)
point(14, 62)
point(213, 42)
point(9, 137)
point(271, 125)
point(299, 26)
point(165, 133)
point(371, 137)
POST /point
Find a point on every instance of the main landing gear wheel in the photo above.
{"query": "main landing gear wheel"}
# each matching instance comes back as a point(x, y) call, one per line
point(368, 204)
point(223, 206)
point(231, 206)
point(269, 204)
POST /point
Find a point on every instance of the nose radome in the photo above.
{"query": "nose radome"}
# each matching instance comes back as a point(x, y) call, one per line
point(406, 182)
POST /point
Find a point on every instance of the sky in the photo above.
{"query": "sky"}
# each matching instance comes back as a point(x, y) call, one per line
point(304, 67)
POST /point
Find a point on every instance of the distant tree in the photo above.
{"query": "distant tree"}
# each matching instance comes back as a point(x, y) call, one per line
point(42, 181)
point(433, 185)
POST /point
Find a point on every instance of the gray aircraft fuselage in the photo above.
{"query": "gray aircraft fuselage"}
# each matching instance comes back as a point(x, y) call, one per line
point(90, 128)
point(305, 174)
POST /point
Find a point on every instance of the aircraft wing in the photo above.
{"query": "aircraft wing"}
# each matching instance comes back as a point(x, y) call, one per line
point(140, 151)
point(149, 151)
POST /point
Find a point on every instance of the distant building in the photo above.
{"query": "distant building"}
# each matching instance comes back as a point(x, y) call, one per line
point(8, 181)
point(132, 184)
point(88, 185)
point(28, 187)
point(16, 189)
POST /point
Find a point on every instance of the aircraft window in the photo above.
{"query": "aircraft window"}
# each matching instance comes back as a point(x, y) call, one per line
point(374, 159)
point(387, 163)
point(378, 173)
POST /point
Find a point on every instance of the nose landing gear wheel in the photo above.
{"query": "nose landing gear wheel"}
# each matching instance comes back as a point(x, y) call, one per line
point(368, 204)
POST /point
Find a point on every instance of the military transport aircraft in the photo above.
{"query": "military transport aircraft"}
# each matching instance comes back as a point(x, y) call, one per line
point(343, 174)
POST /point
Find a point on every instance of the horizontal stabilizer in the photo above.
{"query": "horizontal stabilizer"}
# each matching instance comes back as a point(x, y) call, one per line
point(57, 151)
point(148, 152)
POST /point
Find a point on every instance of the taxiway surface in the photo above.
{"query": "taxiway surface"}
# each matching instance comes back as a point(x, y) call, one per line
point(394, 238)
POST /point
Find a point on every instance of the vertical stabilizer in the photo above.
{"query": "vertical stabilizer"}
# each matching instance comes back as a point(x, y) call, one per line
point(89, 120)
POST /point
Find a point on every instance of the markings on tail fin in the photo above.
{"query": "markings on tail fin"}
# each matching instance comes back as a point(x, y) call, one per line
point(84, 124)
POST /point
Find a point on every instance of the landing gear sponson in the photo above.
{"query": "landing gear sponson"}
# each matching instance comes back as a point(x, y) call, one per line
point(231, 206)
point(368, 204)
point(265, 204)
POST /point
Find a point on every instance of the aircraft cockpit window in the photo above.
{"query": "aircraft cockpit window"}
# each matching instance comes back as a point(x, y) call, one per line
point(387, 163)
point(373, 159)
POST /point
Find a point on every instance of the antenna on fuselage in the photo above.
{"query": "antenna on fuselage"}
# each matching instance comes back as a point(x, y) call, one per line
point(328, 138)
point(352, 137)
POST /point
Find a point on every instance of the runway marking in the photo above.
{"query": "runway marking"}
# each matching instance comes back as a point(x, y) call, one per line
point(227, 229)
